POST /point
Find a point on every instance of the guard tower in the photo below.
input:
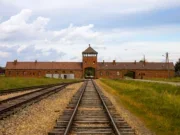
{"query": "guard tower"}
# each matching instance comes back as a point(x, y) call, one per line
point(89, 59)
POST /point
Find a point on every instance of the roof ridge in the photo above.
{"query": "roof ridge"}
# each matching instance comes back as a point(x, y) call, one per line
point(89, 50)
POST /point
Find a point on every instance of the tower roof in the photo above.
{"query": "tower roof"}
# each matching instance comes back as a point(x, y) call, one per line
point(89, 50)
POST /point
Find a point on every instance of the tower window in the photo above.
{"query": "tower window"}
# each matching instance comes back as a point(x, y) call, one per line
point(118, 73)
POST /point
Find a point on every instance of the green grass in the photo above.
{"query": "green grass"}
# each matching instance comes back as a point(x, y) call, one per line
point(17, 82)
point(157, 105)
point(174, 79)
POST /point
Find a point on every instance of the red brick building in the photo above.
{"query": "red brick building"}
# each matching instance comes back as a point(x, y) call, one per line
point(90, 67)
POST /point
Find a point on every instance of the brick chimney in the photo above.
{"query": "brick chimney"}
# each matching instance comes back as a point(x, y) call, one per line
point(35, 61)
point(135, 62)
point(114, 62)
point(103, 62)
point(15, 62)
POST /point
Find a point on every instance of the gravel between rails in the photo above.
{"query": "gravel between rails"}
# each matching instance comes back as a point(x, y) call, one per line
point(39, 118)
point(3, 97)
point(131, 119)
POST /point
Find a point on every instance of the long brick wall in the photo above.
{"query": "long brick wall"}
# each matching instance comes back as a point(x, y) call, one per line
point(112, 74)
point(139, 74)
point(41, 73)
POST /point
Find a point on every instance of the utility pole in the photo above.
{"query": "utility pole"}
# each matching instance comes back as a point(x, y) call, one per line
point(167, 62)
point(144, 58)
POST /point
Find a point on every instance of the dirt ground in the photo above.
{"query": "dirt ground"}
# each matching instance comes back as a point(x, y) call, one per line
point(39, 118)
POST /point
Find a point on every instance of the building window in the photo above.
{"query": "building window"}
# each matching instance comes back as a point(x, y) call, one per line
point(17, 73)
point(33, 73)
point(9, 72)
point(71, 71)
point(143, 74)
point(56, 71)
point(48, 71)
point(107, 73)
point(39, 73)
point(101, 73)
point(63, 71)
point(118, 73)
point(94, 62)
point(24, 73)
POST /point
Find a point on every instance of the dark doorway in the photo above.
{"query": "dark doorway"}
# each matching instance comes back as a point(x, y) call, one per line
point(130, 74)
point(89, 73)
point(65, 76)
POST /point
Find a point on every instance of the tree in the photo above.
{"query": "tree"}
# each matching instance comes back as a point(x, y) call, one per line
point(177, 66)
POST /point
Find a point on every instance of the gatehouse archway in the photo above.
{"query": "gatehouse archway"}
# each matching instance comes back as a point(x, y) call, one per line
point(130, 74)
point(89, 72)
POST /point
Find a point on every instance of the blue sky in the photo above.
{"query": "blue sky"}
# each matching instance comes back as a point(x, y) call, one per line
point(60, 30)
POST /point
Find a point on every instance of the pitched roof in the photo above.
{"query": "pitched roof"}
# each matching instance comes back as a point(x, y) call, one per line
point(137, 65)
point(44, 65)
point(89, 50)
point(101, 65)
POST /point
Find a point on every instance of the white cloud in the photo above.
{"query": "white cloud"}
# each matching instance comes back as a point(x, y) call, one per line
point(28, 53)
point(118, 6)
point(26, 39)
point(73, 35)
point(19, 28)
point(130, 51)
point(4, 54)
point(18, 24)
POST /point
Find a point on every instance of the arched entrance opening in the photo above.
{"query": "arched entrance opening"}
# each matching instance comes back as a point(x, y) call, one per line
point(89, 72)
point(130, 74)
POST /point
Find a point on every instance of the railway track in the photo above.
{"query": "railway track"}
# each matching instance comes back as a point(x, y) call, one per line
point(90, 112)
point(14, 104)
point(9, 91)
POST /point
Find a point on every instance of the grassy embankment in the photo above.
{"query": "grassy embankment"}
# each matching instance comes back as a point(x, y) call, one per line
point(157, 105)
point(17, 82)
point(174, 79)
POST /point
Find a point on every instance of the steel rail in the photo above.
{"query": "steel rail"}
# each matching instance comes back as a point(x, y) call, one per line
point(35, 99)
point(8, 91)
point(75, 110)
point(107, 110)
point(16, 97)
point(32, 92)
point(31, 100)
